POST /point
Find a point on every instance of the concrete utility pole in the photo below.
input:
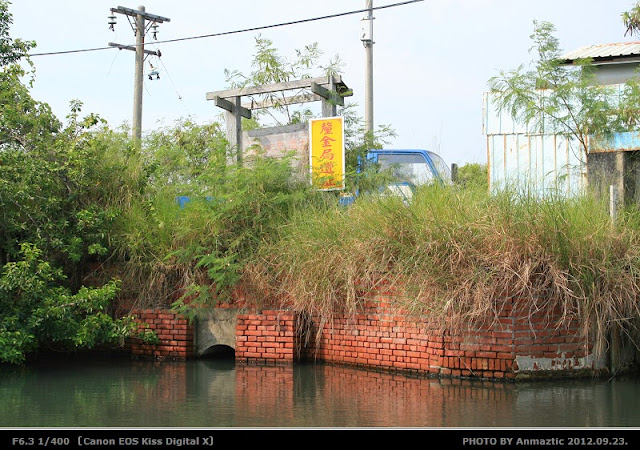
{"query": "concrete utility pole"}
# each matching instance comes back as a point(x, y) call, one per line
point(138, 18)
point(367, 40)
point(138, 75)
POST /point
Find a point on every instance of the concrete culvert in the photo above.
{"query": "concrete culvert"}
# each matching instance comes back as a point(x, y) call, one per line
point(219, 352)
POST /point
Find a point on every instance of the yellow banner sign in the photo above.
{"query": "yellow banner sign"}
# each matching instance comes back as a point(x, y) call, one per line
point(326, 153)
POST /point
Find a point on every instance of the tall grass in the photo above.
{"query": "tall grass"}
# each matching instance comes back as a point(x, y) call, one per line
point(197, 252)
point(456, 253)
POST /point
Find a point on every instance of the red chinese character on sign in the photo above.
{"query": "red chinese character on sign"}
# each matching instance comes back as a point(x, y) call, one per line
point(326, 141)
point(326, 168)
point(326, 128)
point(327, 154)
point(329, 184)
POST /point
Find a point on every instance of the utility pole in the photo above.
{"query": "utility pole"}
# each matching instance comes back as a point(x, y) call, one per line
point(367, 40)
point(138, 18)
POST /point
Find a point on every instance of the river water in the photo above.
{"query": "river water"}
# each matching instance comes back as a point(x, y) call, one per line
point(219, 393)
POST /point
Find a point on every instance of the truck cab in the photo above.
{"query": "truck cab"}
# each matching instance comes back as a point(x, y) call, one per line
point(409, 168)
point(413, 166)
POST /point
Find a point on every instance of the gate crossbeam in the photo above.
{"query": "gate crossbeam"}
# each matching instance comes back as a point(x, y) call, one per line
point(330, 90)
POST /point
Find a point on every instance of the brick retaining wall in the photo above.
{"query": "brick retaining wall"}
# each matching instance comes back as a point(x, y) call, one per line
point(175, 334)
point(268, 337)
point(521, 342)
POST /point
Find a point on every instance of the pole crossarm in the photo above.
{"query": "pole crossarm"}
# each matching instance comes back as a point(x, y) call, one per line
point(231, 107)
point(139, 16)
point(327, 94)
point(135, 13)
point(305, 83)
point(132, 47)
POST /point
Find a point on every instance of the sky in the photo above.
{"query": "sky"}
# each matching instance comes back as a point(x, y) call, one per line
point(432, 59)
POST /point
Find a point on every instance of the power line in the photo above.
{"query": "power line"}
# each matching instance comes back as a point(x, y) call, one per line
point(70, 51)
point(295, 22)
point(245, 30)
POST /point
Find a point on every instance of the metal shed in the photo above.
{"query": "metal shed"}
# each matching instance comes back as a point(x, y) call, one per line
point(544, 164)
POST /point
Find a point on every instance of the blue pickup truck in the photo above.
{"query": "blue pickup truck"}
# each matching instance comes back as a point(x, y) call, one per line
point(409, 168)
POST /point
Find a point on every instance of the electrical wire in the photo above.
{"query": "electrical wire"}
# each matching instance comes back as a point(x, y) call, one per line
point(245, 30)
point(159, 59)
point(112, 62)
point(95, 49)
point(170, 79)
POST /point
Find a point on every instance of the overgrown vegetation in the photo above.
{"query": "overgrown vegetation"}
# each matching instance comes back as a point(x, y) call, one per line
point(59, 195)
point(88, 218)
point(91, 222)
point(457, 253)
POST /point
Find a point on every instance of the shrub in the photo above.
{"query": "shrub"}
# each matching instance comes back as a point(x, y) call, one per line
point(39, 312)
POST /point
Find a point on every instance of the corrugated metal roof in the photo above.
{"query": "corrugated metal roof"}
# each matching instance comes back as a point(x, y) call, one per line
point(605, 51)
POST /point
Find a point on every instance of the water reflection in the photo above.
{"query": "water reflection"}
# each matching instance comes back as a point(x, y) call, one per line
point(215, 393)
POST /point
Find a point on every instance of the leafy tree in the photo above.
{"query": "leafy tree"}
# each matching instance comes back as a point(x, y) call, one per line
point(23, 121)
point(11, 50)
point(269, 66)
point(554, 98)
point(59, 197)
point(55, 190)
point(38, 311)
point(631, 20)
point(176, 156)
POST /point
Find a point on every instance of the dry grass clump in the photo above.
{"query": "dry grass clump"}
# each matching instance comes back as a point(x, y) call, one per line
point(457, 253)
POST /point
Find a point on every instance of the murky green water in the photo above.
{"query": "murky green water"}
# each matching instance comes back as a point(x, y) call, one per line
point(215, 393)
